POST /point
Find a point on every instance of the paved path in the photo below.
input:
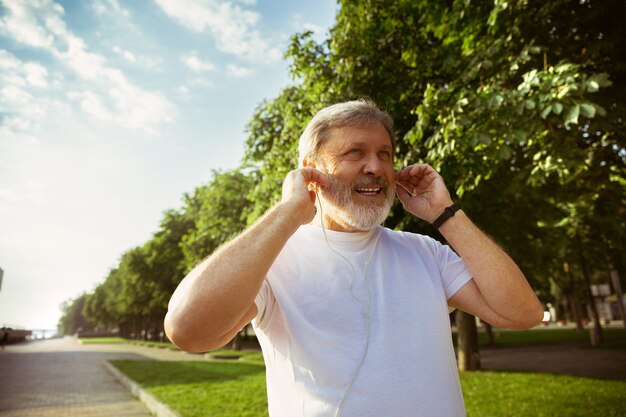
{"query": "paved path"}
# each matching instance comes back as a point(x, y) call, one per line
point(62, 378)
point(566, 359)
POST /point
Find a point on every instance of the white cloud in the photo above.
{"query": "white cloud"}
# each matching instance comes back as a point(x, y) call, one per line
point(234, 29)
point(91, 104)
point(111, 95)
point(36, 74)
point(35, 184)
point(14, 72)
point(15, 128)
point(102, 7)
point(9, 196)
point(127, 55)
point(235, 71)
point(22, 25)
point(183, 91)
point(201, 82)
point(317, 30)
point(299, 24)
point(196, 64)
point(141, 110)
point(136, 59)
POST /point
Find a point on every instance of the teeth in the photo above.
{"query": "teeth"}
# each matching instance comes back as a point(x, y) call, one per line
point(368, 190)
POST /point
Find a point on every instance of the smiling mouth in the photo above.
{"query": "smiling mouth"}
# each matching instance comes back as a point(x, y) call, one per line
point(369, 190)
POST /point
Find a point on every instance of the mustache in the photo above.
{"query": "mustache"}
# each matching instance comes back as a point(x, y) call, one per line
point(370, 182)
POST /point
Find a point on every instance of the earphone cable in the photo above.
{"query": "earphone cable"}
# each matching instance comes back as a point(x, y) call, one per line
point(367, 303)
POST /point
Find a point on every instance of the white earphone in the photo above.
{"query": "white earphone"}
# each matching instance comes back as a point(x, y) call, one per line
point(367, 301)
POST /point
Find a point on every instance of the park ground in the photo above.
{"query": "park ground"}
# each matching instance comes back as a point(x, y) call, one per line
point(562, 376)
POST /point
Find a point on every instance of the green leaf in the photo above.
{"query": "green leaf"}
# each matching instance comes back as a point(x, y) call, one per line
point(530, 104)
point(558, 108)
point(587, 110)
point(546, 111)
point(496, 101)
point(600, 110)
point(572, 115)
point(592, 86)
point(505, 152)
point(520, 136)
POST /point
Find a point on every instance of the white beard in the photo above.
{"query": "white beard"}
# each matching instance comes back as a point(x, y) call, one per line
point(341, 207)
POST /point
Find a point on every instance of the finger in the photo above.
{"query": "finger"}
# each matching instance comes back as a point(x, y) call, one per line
point(403, 194)
point(404, 172)
point(412, 171)
point(315, 175)
point(405, 188)
point(418, 175)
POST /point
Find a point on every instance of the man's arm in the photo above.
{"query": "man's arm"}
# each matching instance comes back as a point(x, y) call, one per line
point(216, 299)
point(499, 293)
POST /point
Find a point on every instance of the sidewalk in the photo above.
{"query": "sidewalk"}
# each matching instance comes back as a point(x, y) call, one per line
point(561, 359)
point(62, 378)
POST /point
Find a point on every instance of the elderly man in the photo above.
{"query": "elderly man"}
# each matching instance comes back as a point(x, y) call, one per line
point(352, 317)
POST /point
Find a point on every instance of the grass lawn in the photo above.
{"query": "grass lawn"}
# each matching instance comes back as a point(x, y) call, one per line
point(116, 340)
point(237, 388)
point(521, 394)
point(615, 338)
point(105, 340)
point(199, 389)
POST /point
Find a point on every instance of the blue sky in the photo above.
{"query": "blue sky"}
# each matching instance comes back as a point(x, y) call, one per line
point(109, 112)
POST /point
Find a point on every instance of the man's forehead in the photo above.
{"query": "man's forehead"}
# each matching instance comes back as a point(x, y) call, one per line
point(359, 135)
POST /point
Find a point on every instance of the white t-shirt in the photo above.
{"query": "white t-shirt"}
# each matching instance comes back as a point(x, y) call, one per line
point(311, 326)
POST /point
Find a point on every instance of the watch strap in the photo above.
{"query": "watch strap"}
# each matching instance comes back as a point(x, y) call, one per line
point(447, 213)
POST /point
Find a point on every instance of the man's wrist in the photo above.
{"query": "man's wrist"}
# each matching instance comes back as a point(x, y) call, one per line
point(448, 212)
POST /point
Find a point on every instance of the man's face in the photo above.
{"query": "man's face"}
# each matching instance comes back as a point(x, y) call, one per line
point(359, 163)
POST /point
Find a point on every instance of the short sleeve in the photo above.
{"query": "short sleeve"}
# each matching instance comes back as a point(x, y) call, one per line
point(264, 302)
point(454, 272)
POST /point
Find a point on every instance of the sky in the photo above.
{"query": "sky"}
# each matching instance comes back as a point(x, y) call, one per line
point(109, 112)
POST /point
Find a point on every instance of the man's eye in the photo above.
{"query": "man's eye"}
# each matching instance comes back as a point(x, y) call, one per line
point(384, 155)
point(354, 152)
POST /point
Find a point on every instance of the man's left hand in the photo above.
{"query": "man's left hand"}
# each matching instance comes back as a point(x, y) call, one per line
point(422, 191)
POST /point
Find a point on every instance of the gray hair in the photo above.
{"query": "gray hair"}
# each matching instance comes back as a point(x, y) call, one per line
point(349, 113)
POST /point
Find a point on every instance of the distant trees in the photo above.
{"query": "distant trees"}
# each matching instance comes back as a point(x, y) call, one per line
point(520, 105)
point(72, 318)
point(132, 299)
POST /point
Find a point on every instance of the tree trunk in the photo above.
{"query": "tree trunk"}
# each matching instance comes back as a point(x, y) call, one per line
point(572, 296)
point(235, 344)
point(597, 335)
point(488, 333)
point(617, 286)
point(467, 342)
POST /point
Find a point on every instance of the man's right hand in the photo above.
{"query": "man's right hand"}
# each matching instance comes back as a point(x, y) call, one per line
point(216, 299)
point(296, 191)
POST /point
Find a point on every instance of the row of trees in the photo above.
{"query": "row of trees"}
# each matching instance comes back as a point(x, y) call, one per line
point(132, 299)
point(520, 106)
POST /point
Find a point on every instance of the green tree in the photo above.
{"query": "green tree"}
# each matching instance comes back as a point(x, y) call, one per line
point(272, 146)
point(508, 100)
point(72, 320)
point(218, 211)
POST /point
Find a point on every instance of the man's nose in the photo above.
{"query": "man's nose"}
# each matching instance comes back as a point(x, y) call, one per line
point(373, 166)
